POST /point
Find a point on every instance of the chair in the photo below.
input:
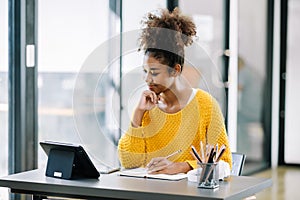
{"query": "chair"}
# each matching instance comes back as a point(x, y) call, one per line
point(238, 161)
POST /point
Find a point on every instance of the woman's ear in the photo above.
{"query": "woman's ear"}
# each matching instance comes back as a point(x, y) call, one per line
point(176, 70)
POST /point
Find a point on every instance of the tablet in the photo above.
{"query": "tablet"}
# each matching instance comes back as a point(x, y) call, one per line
point(68, 161)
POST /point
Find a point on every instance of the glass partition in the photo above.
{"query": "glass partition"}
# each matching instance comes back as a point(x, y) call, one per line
point(208, 69)
point(252, 68)
point(4, 93)
point(210, 20)
point(69, 32)
point(132, 81)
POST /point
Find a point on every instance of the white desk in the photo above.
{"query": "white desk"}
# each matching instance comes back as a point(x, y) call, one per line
point(118, 187)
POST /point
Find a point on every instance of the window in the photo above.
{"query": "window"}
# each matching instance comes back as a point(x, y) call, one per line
point(132, 60)
point(68, 33)
point(79, 72)
point(207, 67)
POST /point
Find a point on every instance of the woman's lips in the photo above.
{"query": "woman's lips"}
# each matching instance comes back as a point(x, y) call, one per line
point(151, 87)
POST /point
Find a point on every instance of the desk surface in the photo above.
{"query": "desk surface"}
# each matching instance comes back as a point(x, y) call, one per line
point(113, 186)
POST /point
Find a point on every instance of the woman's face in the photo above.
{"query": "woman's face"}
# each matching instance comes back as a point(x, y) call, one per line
point(157, 75)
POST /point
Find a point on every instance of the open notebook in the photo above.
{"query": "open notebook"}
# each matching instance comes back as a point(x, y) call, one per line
point(142, 173)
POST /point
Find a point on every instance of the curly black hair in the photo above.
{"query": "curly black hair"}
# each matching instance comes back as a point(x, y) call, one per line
point(165, 34)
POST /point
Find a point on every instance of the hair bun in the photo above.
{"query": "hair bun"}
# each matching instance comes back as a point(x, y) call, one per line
point(182, 35)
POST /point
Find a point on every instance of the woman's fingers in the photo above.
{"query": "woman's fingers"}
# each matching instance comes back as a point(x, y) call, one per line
point(153, 162)
point(151, 95)
point(148, 100)
point(158, 164)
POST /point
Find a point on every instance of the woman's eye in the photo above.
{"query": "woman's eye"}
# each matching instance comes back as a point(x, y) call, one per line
point(151, 72)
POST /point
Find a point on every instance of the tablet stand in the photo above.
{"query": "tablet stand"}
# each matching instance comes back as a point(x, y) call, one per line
point(60, 164)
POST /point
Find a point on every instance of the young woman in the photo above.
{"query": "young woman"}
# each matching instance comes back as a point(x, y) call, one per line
point(171, 115)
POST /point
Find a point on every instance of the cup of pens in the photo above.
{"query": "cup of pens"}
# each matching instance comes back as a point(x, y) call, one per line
point(208, 175)
point(208, 168)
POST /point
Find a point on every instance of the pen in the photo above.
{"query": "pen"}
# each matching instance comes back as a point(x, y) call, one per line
point(220, 150)
point(192, 153)
point(173, 154)
point(211, 155)
point(149, 165)
point(217, 160)
point(207, 152)
point(217, 149)
point(202, 150)
point(196, 154)
point(220, 154)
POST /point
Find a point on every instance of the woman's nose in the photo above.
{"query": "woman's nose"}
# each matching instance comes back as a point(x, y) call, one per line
point(148, 78)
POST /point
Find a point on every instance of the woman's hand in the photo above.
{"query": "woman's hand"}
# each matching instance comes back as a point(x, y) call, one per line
point(148, 100)
point(161, 165)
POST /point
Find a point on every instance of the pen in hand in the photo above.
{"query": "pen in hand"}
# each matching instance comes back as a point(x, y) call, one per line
point(173, 154)
point(154, 162)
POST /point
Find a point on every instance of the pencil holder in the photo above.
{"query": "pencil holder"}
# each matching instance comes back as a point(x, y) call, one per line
point(209, 175)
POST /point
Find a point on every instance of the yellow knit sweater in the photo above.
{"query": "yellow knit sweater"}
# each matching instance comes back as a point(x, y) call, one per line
point(162, 134)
